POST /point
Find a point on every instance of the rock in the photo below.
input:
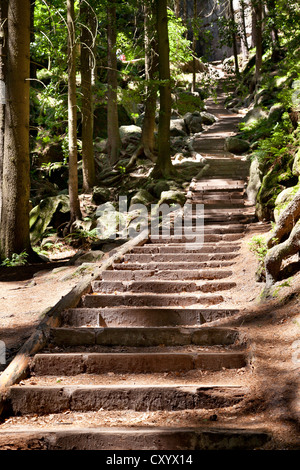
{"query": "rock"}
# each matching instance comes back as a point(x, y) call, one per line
point(296, 164)
point(100, 119)
point(207, 118)
point(177, 127)
point(255, 180)
point(283, 199)
point(89, 257)
point(189, 66)
point(100, 195)
point(193, 122)
point(142, 197)
point(172, 197)
point(51, 211)
point(254, 115)
point(159, 187)
point(130, 134)
point(276, 112)
point(236, 146)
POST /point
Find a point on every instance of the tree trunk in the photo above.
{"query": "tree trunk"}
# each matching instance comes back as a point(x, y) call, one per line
point(113, 136)
point(16, 163)
point(258, 37)
point(234, 41)
point(87, 116)
point(195, 14)
point(245, 47)
point(72, 116)
point(163, 167)
point(147, 145)
point(3, 51)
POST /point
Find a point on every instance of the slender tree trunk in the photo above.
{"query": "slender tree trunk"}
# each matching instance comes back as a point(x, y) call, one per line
point(113, 136)
point(163, 167)
point(72, 116)
point(177, 8)
point(245, 46)
point(87, 116)
point(3, 52)
point(234, 41)
point(16, 164)
point(147, 145)
point(258, 33)
point(195, 14)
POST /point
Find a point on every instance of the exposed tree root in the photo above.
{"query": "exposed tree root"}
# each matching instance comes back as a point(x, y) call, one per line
point(286, 222)
point(278, 253)
point(141, 150)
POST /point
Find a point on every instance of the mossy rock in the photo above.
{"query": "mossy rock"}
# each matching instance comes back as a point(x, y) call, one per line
point(50, 212)
point(142, 197)
point(172, 197)
point(100, 195)
point(283, 199)
point(269, 190)
point(296, 164)
point(236, 146)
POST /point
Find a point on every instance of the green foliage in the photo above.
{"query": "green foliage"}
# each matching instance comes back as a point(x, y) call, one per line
point(15, 260)
point(180, 47)
point(258, 246)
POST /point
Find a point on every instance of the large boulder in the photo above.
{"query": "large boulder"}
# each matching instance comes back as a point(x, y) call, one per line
point(283, 199)
point(236, 146)
point(193, 122)
point(100, 195)
point(50, 212)
point(254, 115)
point(207, 118)
point(177, 127)
point(296, 164)
point(255, 180)
point(129, 134)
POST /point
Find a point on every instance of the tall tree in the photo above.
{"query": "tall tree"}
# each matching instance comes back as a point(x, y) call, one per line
point(3, 47)
point(72, 115)
point(258, 10)
point(87, 118)
point(234, 39)
point(147, 144)
point(163, 167)
point(113, 136)
point(14, 237)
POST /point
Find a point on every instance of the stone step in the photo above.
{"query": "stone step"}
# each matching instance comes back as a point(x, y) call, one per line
point(149, 300)
point(169, 257)
point(135, 439)
point(143, 336)
point(70, 364)
point(161, 286)
point(43, 400)
point(168, 274)
point(172, 266)
point(202, 248)
point(143, 316)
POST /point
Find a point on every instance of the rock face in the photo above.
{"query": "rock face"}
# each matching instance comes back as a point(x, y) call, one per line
point(51, 211)
point(236, 146)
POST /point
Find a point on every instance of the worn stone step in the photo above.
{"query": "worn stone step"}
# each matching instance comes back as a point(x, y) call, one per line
point(140, 438)
point(143, 316)
point(71, 364)
point(149, 300)
point(43, 400)
point(161, 286)
point(202, 248)
point(168, 257)
point(143, 337)
point(189, 265)
point(168, 274)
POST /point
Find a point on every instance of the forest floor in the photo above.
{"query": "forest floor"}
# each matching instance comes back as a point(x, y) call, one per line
point(272, 327)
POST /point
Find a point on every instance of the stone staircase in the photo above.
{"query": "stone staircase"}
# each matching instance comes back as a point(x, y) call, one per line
point(140, 344)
